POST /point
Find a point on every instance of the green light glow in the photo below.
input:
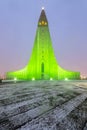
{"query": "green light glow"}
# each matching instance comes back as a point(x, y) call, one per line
point(42, 63)
point(15, 79)
point(66, 79)
point(51, 79)
point(33, 79)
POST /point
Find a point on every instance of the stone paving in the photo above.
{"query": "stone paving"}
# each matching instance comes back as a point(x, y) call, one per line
point(39, 105)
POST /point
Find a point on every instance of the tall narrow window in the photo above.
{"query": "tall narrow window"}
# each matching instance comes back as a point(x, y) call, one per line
point(42, 70)
point(42, 67)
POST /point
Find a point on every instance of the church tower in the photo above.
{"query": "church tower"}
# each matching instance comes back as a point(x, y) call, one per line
point(43, 64)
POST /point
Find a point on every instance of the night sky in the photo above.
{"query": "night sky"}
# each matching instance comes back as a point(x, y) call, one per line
point(68, 28)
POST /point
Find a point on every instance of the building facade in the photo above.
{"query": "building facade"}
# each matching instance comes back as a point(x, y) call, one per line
point(43, 64)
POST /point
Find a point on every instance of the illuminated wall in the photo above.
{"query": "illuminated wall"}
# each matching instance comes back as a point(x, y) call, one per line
point(43, 63)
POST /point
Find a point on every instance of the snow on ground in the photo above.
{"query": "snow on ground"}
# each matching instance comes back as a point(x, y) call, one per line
point(24, 102)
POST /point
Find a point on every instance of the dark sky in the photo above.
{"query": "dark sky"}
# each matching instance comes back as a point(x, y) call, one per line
point(68, 28)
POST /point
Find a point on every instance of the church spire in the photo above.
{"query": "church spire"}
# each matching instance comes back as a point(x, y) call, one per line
point(43, 19)
point(43, 64)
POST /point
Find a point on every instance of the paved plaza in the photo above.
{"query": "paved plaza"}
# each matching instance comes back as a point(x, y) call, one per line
point(43, 105)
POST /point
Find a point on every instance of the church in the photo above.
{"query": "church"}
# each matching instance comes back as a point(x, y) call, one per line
point(42, 64)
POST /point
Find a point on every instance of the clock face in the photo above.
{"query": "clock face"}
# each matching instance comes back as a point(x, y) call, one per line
point(43, 23)
point(39, 23)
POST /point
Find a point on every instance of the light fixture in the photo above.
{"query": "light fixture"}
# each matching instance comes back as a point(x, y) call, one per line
point(15, 79)
point(66, 79)
point(42, 8)
point(33, 79)
point(51, 79)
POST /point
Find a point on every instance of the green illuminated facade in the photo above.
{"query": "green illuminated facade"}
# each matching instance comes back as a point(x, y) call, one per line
point(43, 63)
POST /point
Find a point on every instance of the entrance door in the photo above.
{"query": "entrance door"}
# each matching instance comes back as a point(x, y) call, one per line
point(42, 70)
